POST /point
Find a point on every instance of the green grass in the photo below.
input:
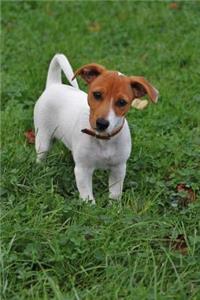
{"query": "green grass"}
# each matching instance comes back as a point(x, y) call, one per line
point(53, 245)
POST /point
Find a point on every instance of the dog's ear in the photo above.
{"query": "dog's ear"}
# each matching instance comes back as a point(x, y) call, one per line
point(90, 72)
point(142, 87)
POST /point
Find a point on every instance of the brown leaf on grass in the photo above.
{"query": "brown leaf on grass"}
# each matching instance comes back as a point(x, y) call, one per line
point(30, 136)
point(174, 5)
point(188, 195)
point(179, 244)
point(94, 27)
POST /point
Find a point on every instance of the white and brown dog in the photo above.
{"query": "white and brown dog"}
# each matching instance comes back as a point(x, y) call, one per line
point(92, 126)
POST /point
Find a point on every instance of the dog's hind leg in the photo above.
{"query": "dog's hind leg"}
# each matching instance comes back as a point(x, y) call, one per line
point(42, 144)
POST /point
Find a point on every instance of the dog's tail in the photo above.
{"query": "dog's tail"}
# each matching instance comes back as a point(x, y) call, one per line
point(60, 63)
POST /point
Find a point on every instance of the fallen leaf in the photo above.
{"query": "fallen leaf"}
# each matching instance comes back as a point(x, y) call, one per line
point(188, 195)
point(179, 244)
point(174, 5)
point(30, 136)
point(94, 27)
point(139, 104)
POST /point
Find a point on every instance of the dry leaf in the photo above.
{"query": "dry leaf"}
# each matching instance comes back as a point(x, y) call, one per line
point(189, 195)
point(179, 244)
point(139, 104)
point(30, 136)
point(174, 5)
point(94, 27)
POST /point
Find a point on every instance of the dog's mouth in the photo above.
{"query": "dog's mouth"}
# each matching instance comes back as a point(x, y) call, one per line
point(101, 132)
point(110, 130)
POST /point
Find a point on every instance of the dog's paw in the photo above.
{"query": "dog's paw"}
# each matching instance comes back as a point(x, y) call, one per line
point(115, 196)
point(89, 201)
point(39, 160)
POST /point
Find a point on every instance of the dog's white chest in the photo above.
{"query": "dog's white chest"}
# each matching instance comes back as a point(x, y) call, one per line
point(106, 155)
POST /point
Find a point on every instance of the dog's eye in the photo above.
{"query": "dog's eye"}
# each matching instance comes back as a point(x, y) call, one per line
point(97, 95)
point(121, 103)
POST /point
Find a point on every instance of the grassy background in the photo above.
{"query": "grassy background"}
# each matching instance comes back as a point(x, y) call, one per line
point(53, 245)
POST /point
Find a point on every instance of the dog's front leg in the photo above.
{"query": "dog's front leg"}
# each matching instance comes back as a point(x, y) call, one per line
point(116, 180)
point(84, 182)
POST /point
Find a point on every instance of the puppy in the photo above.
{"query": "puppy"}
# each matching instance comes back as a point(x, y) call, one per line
point(93, 125)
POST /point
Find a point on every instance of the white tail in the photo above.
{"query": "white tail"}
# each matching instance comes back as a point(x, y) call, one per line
point(60, 63)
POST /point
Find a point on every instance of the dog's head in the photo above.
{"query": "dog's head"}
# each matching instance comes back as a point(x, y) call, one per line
point(110, 95)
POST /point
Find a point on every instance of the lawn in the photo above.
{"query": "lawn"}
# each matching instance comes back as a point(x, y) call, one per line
point(148, 245)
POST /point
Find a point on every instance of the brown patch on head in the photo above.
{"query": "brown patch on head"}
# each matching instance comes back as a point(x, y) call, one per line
point(108, 90)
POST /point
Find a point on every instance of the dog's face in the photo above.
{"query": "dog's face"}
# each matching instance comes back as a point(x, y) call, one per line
point(110, 95)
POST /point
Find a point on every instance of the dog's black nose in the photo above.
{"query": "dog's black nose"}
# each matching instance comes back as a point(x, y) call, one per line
point(102, 124)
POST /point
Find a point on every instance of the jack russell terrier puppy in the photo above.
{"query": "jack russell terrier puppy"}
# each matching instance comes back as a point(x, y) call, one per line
point(93, 125)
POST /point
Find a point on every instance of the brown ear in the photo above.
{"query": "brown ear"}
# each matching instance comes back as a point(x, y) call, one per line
point(89, 72)
point(142, 87)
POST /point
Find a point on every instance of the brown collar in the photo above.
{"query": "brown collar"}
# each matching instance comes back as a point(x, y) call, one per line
point(102, 137)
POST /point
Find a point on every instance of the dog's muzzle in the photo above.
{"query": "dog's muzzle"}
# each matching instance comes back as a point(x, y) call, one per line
point(102, 124)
